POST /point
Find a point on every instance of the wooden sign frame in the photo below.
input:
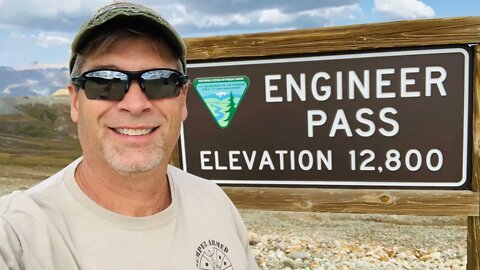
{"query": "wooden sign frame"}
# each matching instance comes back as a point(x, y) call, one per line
point(403, 34)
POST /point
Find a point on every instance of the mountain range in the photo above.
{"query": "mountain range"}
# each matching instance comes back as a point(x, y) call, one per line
point(33, 82)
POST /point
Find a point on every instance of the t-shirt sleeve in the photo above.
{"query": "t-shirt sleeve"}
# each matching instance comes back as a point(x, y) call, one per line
point(10, 248)
point(243, 235)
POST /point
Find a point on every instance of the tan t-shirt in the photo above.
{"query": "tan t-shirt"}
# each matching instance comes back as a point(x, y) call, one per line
point(54, 225)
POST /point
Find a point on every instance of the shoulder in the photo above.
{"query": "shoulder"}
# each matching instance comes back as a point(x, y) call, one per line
point(184, 179)
point(19, 210)
point(198, 189)
point(204, 196)
point(5, 202)
point(32, 197)
point(16, 201)
point(28, 237)
point(49, 186)
point(17, 198)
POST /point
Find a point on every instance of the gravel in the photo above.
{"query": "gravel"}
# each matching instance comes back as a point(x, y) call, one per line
point(327, 241)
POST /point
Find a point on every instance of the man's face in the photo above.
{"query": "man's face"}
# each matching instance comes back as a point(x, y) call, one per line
point(135, 134)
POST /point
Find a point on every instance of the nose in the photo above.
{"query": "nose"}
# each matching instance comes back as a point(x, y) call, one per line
point(134, 101)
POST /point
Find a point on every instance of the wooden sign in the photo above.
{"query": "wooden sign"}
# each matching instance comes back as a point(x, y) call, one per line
point(389, 118)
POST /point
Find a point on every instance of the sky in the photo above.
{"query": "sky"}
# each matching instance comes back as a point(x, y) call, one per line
point(38, 33)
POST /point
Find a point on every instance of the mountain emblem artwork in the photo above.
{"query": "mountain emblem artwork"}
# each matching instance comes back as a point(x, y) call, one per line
point(222, 96)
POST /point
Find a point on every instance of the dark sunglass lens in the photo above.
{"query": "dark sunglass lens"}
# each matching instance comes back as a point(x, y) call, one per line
point(161, 84)
point(105, 85)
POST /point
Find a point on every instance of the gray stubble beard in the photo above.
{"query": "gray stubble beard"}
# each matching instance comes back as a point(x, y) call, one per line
point(117, 158)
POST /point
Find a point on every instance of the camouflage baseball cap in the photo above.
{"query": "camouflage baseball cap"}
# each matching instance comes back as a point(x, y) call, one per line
point(122, 13)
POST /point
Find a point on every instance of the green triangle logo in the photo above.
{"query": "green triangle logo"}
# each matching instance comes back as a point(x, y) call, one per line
point(222, 96)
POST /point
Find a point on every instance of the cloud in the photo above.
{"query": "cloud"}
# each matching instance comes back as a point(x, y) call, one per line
point(42, 39)
point(333, 12)
point(195, 23)
point(17, 35)
point(47, 15)
point(273, 16)
point(43, 29)
point(41, 92)
point(19, 49)
point(403, 10)
point(224, 7)
point(36, 65)
point(51, 39)
point(7, 90)
point(189, 15)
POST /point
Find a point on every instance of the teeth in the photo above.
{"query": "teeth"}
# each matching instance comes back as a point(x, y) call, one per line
point(134, 132)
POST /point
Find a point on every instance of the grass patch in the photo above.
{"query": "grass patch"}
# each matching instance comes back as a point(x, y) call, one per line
point(37, 161)
point(35, 143)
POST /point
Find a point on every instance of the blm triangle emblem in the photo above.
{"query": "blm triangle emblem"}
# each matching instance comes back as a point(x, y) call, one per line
point(222, 96)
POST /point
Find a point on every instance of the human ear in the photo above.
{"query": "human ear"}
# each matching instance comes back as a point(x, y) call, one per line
point(73, 102)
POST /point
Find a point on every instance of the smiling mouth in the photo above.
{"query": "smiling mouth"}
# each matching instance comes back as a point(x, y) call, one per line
point(134, 131)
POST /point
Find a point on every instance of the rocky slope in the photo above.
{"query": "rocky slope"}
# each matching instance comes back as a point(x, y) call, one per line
point(321, 241)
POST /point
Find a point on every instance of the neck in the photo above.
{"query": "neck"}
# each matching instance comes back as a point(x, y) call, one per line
point(133, 195)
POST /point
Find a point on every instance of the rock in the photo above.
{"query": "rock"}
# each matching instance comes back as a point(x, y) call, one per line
point(432, 256)
point(253, 238)
point(282, 245)
point(348, 244)
point(280, 254)
point(299, 255)
point(287, 262)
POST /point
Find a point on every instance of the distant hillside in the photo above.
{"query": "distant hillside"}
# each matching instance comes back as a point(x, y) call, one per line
point(36, 132)
point(36, 117)
point(35, 82)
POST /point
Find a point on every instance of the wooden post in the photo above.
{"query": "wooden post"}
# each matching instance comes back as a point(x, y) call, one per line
point(473, 249)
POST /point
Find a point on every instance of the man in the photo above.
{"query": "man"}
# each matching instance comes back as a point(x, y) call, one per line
point(121, 206)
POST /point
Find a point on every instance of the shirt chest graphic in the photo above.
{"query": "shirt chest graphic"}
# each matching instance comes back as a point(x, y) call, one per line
point(212, 255)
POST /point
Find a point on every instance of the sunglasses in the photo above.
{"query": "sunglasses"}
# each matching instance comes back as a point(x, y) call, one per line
point(109, 84)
